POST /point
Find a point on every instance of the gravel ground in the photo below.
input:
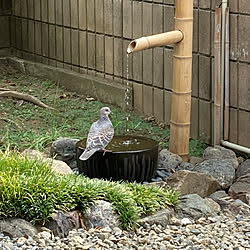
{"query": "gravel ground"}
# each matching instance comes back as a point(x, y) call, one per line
point(218, 232)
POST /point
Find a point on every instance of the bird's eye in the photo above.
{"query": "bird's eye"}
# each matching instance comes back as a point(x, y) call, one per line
point(107, 110)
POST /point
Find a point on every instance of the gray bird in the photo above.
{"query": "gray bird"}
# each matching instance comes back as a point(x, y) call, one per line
point(100, 134)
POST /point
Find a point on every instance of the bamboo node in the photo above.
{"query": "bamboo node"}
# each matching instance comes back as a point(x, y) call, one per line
point(183, 19)
point(182, 57)
point(180, 124)
point(182, 93)
point(148, 42)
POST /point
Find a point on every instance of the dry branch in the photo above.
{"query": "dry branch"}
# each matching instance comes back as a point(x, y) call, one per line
point(25, 97)
point(4, 89)
point(10, 121)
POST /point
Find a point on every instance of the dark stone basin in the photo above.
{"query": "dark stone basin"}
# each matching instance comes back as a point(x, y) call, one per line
point(133, 158)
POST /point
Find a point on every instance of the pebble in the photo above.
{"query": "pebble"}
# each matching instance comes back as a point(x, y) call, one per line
point(157, 179)
point(161, 174)
point(219, 232)
point(186, 221)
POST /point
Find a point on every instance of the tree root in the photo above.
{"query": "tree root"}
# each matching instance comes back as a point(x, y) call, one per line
point(25, 97)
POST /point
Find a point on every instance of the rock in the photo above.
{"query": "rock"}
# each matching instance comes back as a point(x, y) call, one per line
point(34, 154)
point(157, 179)
point(174, 221)
point(222, 170)
point(213, 204)
point(184, 166)
point(101, 214)
point(44, 235)
point(243, 169)
point(161, 217)
point(240, 159)
point(194, 207)
point(241, 188)
point(170, 163)
point(218, 194)
point(15, 228)
point(220, 153)
point(64, 149)
point(186, 221)
point(168, 160)
point(161, 173)
point(190, 182)
point(165, 173)
point(58, 167)
point(161, 184)
point(195, 160)
point(62, 223)
point(234, 208)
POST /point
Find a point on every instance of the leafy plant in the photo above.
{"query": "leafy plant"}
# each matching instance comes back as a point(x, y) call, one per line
point(31, 191)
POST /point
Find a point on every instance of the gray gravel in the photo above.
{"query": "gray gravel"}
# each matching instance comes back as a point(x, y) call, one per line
point(218, 232)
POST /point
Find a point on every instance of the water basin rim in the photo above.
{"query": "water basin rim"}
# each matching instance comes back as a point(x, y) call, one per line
point(154, 142)
point(124, 152)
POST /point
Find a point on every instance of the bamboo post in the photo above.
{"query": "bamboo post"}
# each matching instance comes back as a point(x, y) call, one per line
point(182, 76)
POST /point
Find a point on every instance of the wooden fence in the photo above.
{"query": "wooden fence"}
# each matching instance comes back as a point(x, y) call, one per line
point(91, 37)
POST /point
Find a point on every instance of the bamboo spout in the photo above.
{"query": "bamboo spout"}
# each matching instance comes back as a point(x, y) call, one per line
point(149, 42)
point(182, 73)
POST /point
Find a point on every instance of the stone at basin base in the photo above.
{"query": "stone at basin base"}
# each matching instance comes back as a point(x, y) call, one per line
point(58, 167)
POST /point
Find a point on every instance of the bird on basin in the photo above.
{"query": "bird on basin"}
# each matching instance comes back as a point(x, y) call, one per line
point(100, 134)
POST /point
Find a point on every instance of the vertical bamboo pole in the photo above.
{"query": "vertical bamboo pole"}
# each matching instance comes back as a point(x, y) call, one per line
point(182, 77)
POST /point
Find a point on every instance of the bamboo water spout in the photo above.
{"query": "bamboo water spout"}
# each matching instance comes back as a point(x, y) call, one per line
point(153, 41)
point(182, 73)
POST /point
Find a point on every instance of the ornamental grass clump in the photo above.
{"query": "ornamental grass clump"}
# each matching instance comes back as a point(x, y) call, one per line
point(30, 190)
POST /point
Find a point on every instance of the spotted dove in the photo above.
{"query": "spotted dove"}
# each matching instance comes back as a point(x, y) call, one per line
point(100, 134)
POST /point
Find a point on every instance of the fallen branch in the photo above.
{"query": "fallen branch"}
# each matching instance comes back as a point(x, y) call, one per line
point(3, 89)
point(25, 97)
point(10, 121)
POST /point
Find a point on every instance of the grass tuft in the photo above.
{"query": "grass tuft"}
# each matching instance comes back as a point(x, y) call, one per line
point(30, 190)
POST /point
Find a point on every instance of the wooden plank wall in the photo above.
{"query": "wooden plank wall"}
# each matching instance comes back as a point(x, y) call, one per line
point(5, 13)
point(240, 72)
point(92, 36)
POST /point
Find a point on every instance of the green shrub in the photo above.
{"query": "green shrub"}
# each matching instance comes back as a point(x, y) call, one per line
point(29, 190)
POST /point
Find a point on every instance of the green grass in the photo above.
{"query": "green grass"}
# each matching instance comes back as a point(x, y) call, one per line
point(29, 126)
point(30, 190)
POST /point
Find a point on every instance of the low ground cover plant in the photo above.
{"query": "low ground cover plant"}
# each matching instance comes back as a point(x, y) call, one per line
point(30, 190)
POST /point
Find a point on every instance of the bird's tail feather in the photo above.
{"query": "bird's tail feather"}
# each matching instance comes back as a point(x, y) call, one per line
point(86, 154)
